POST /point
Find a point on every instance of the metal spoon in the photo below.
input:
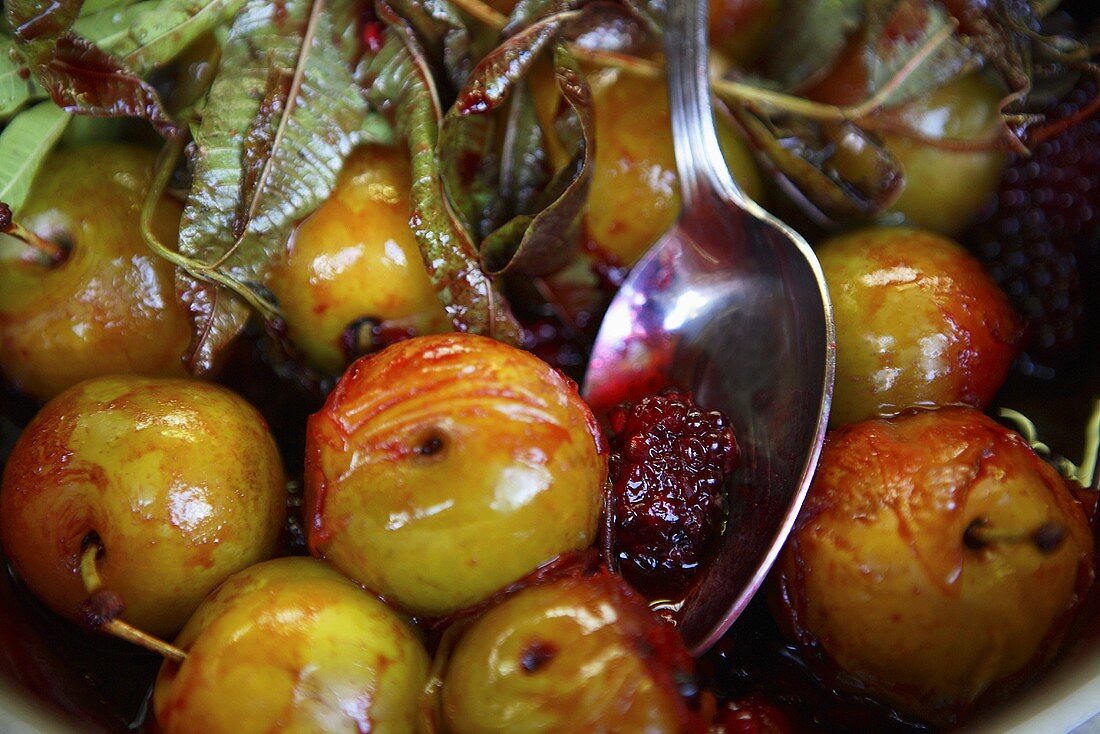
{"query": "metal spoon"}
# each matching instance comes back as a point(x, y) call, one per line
point(730, 304)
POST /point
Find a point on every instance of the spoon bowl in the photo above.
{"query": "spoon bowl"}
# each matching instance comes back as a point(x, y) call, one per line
point(730, 304)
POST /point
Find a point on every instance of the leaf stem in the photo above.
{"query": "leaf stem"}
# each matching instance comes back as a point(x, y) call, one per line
point(170, 156)
point(735, 92)
point(280, 132)
point(93, 584)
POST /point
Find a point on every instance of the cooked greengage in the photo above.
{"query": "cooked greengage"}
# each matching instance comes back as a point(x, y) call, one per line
point(580, 654)
point(918, 323)
point(292, 646)
point(669, 464)
point(635, 197)
point(936, 556)
point(177, 482)
point(947, 142)
point(447, 466)
point(352, 272)
point(104, 303)
point(945, 188)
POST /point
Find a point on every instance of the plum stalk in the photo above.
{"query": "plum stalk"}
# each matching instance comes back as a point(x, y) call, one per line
point(41, 250)
point(104, 606)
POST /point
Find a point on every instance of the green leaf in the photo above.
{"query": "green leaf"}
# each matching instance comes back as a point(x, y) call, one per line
point(841, 173)
point(441, 33)
point(94, 6)
point(15, 90)
point(813, 34)
point(544, 242)
point(282, 116)
point(401, 81)
point(912, 49)
point(167, 27)
point(111, 28)
point(24, 143)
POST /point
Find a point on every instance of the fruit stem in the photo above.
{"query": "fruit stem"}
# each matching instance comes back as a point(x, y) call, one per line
point(768, 100)
point(93, 583)
point(1089, 473)
point(1046, 538)
point(45, 251)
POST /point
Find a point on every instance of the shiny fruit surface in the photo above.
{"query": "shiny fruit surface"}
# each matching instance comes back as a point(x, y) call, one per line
point(354, 264)
point(918, 322)
point(945, 188)
point(179, 481)
point(945, 142)
point(575, 655)
point(109, 305)
point(935, 556)
point(447, 466)
point(635, 196)
point(292, 646)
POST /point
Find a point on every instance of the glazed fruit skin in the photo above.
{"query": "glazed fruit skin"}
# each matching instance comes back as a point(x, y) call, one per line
point(944, 189)
point(447, 466)
point(356, 258)
point(918, 322)
point(580, 654)
point(292, 646)
point(179, 480)
point(110, 306)
point(634, 196)
point(878, 574)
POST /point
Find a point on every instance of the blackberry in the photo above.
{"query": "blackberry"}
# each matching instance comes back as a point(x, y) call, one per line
point(668, 468)
point(1042, 241)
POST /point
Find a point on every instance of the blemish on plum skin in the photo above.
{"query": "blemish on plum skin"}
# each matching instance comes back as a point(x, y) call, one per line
point(536, 655)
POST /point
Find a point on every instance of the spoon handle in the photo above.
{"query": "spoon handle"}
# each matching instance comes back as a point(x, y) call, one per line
point(699, 159)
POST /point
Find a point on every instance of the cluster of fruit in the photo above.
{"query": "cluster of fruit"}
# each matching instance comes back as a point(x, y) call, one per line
point(485, 552)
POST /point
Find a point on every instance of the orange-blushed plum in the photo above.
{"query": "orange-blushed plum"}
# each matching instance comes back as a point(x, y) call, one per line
point(634, 196)
point(446, 466)
point(291, 645)
point(177, 481)
point(579, 654)
point(107, 305)
point(355, 264)
point(918, 323)
point(935, 558)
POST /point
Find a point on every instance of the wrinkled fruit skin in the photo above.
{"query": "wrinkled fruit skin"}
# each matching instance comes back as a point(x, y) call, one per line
point(918, 323)
point(352, 271)
point(881, 576)
point(580, 654)
point(292, 646)
point(669, 464)
point(635, 197)
point(180, 480)
point(447, 466)
point(110, 306)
